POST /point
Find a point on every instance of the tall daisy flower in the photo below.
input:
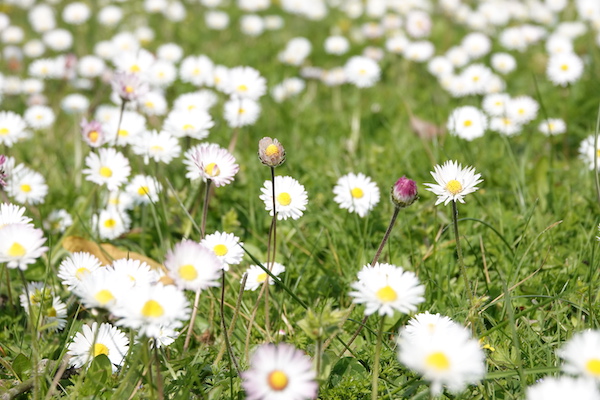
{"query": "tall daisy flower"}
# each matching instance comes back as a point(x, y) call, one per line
point(101, 288)
point(226, 246)
point(211, 161)
point(21, 245)
point(279, 372)
point(446, 355)
point(193, 266)
point(192, 123)
point(93, 341)
point(291, 197)
point(453, 182)
point(356, 193)
point(109, 167)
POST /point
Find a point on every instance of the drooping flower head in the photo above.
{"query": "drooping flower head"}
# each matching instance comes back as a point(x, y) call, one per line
point(453, 182)
point(279, 372)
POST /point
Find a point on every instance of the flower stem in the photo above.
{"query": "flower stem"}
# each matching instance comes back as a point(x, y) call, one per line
point(386, 236)
point(225, 332)
point(271, 252)
point(188, 336)
point(461, 262)
point(205, 209)
point(375, 381)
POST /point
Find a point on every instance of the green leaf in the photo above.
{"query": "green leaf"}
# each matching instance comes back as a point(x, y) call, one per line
point(97, 375)
point(21, 366)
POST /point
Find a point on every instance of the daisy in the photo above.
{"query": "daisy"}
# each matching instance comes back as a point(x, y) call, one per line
point(337, 45)
point(75, 103)
point(271, 152)
point(426, 324)
point(108, 167)
point(123, 130)
point(564, 68)
point(495, 104)
point(193, 266)
point(55, 316)
point(91, 342)
point(144, 189)
point(210, 161)
point(563, 387)
point(290, 197)
point(453, 182)
point(522, 109)
point(467, 122)
point(162, 73)
point(404, 192)
point(196, 70)
point(134, 272)
point(279, 372)
point(153, 103)
point(133, 62)
point(147, 308)
point(194, 123)
point(246, 83)
point(420, 51)
point(356, 193)
point(445, 355)
point(12, 128)
point(241, 112)
point(76, 13)
point(120, 201)
point(130, 86)
point(589, 153)
point(26, 186)
point(552, 126)
point(21, 245)
point(505, 125)
point(111, 223)
point(362, 71)
point(93, 133)
point(256, 276)
point(169, 52)
point(581, 355)
point(385, 288)
point(226, 246)
point(12, 214)
point(35, 295)
point(73, 268)
point(159, 146)
point(201, 100)
point(58, 221)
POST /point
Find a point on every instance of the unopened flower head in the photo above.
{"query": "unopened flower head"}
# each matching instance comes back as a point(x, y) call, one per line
point(93, 133)
point(404, 192)
point(270, 152)
point(129, 86)
point(453, 182)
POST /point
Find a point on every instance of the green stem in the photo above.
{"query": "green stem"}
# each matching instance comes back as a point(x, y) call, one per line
point(386, 236)
point(461, 262)
point(375, 381)
point(225, 334)
point(205, 209)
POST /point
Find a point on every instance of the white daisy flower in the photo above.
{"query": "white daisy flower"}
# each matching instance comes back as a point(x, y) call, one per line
point(337, 45)
point(12, 128)
point(552, 126)
point(240, 112)
point(58, 221)
point(90, 66)
point(246, 83)
point(39, 117)
point(496, 104)
point(21, 245)
point(446, 356)
point(162, 73)
point(503, 63)
point(279, 372)
point(165, 337)
point(257, 276)
point(505, 125)
point(362, 71)
point(589, 153)
point(522, 109)
point(201, 100)
point(100, 288)
point(210, 161)
point(120, 201)
point(564, 387)
point(148, 308)
point(136, 61)
point(564, 69)
point(467, 122)
point(385, 288)
point(356, 193)
point(144, 189)
point(55, 316)
point(111, 223)
point(109, 167)
point(91, 342)
point(12, 214)
point(159, 146)
point(35, 295)
point(26, 186)
point(125, 130)
point(193, 266)
point(73, 268)
point(226, 246)
point(169, 52)
point(581, 355)
point(426, 324)
point(134, 272)
point(453, 182)
point(194, 123)
point(290, 197)
point(153, 103)
point(196, 70)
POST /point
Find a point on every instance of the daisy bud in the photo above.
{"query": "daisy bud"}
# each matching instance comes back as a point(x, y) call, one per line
point(404, 192)
point(271, 152)
point(92, 133)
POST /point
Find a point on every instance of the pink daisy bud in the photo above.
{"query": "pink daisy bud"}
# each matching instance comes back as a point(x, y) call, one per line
point(129, 87)
point(404, 192)
point(92, 133)
point(271, 152)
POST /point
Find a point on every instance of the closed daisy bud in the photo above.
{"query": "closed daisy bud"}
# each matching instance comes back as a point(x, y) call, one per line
point(93, 133)
point(404, 192)
point(271, 152)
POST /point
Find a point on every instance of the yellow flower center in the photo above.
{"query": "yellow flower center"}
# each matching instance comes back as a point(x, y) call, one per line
point(51, 312)
point(271, 150)
point(149, 104)
point(196, 71)
point(220, 249)
point(284, 199)
point(564, 67)
point(278, 380)
point(437, 361)
point(188, 272)
point(16, 250)
point(99, 348)
point(134, 68)
point(25, 188)
point(241, 111)
point(212, 170)
point(454, 186)
point(593, 366)
point(4, 131)
point(128, 89)
point(468, 123)
point(81, 272)
point(362, 71)
point(104, 296)
point(105, 172)
point(110, 223)
point(387, 294)
point(188, 127)
point(123, 132)
point(357, 193)
point(157, 148)
point(261, 277)
point(143, 190)
point(242, 88)
point(93, 136)
point(153, 309)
